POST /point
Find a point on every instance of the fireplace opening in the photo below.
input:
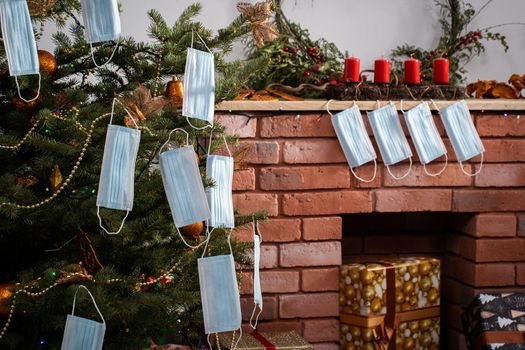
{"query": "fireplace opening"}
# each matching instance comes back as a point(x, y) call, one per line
point(375, 236)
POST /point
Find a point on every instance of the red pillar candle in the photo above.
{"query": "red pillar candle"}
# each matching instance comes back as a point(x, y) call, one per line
point(382, 71)
point(412, 71)
point(441, 71)
point(352, 69)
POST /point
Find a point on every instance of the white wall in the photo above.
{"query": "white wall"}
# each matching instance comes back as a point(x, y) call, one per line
point(366, 28)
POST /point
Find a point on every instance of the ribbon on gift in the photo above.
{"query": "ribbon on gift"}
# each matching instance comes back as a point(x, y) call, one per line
point(501, 337)
point(385, 331)
point(268, 345)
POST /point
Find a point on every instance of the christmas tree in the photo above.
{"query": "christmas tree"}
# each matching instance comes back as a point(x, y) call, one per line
point(144, 279)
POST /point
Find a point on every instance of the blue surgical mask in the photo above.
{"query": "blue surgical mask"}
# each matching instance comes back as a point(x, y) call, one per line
point(183, 185)
point(390, 137)
point(425, 135)
point(354, 139)
point(82, 333)
point(19, 41)
point(101, 22)
point(199, 85)
point(462, 133)
point(117, 175)
point(220, 201)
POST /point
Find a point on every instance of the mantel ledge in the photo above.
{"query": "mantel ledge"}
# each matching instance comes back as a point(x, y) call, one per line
point(320, 105)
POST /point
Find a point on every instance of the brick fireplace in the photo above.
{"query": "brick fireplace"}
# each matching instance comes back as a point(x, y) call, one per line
point(295, 170)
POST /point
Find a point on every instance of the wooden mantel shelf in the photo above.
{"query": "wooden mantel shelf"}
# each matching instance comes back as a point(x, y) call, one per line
point(320, 105)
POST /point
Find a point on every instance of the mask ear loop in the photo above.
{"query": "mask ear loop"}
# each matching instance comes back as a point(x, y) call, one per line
point(461, 163)
point(225, 144)
point(92, 299)
point(256, 277)
point(351, 169)
point(38, 91)
point(109, 59)
point(100, 224)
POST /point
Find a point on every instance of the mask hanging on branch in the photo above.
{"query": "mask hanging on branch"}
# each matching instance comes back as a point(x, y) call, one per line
point(81, 333)
point(354, 139)
point(102, 23)
point(19, 42)
point(183, 185)
point(425, 136)
point(117, 176)
point(390, 137)
point(220, 201)
point(462, 133)
point(199, 85)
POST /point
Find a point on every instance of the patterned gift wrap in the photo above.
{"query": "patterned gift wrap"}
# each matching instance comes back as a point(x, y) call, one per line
point(265, 340)
point(495, 322)
point(364, 299)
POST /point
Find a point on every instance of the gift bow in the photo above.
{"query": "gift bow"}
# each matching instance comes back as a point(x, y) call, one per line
point(258, 15)
point(384, 333)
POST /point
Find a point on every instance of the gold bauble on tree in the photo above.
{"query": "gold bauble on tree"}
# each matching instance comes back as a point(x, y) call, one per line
point(18, 103)
point(6, 292)
point(55, 180)
point(40, 7)
point(193, 230)
point(175, 91)
point(47, 61)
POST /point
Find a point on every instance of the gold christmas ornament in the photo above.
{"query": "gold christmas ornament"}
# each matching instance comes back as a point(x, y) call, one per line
point(18, 103)
point(376, 306)
point(350, 292)
point(367, 276)
point(47, 61)
point(258, 15)
point(354, 274)
point(6, 292)
point(193, 230)
point(55, 180)
point(40, 7)
point(175, 91)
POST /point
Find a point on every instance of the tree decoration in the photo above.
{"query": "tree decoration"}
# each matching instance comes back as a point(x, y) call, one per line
point(55, 179)
point(39, 8)
point(457, 43)
point(47, 61)
point(193, 230)
point(175, 92)
point(494, 89)
point(90, 263)
point(18, 103)
point(142, 105)
point(6, 293)
point(258, 15)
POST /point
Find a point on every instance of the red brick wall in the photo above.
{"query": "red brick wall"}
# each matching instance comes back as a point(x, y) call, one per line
point(295, 170)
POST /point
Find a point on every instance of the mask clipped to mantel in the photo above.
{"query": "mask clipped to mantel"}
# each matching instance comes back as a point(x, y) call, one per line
point(462, 133)
point(353, 138)
point(425, 135)
point(19, 42)
point(390, 138)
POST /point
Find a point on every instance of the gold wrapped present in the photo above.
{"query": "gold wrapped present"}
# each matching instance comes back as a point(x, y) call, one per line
point(265, 341)
point(390, 301)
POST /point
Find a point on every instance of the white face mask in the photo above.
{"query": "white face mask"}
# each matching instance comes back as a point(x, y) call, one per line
point(425, 135)
point(462, 133)
point(183, 184)
point(117, 175)
point(19, 41)
point(390, 137)
point(354, 139)
point(220, 169)
point(199, 85)
point(257, 291)
point(81, 333)
point(101, 22)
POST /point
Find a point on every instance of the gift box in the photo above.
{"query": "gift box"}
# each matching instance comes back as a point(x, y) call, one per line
point(390, 304)
point(495, 321)
point(265, 340)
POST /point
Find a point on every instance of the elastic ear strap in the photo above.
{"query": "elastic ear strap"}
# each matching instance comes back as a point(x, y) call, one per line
point(191, 246)
point(115, 100)
point(435, 105)
point(363, 180)
point(201, 39)
point(38, 91)
point(225, 144)
point(105, 230)
point(196, 127)
point(477, 172)
point(439, 172)
point(169, 137)
point(252, 323)
point(109, 59)
point(92, 299)
point(401, 106)
point(238, 340)
point(328, 107)
point(405, 175)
